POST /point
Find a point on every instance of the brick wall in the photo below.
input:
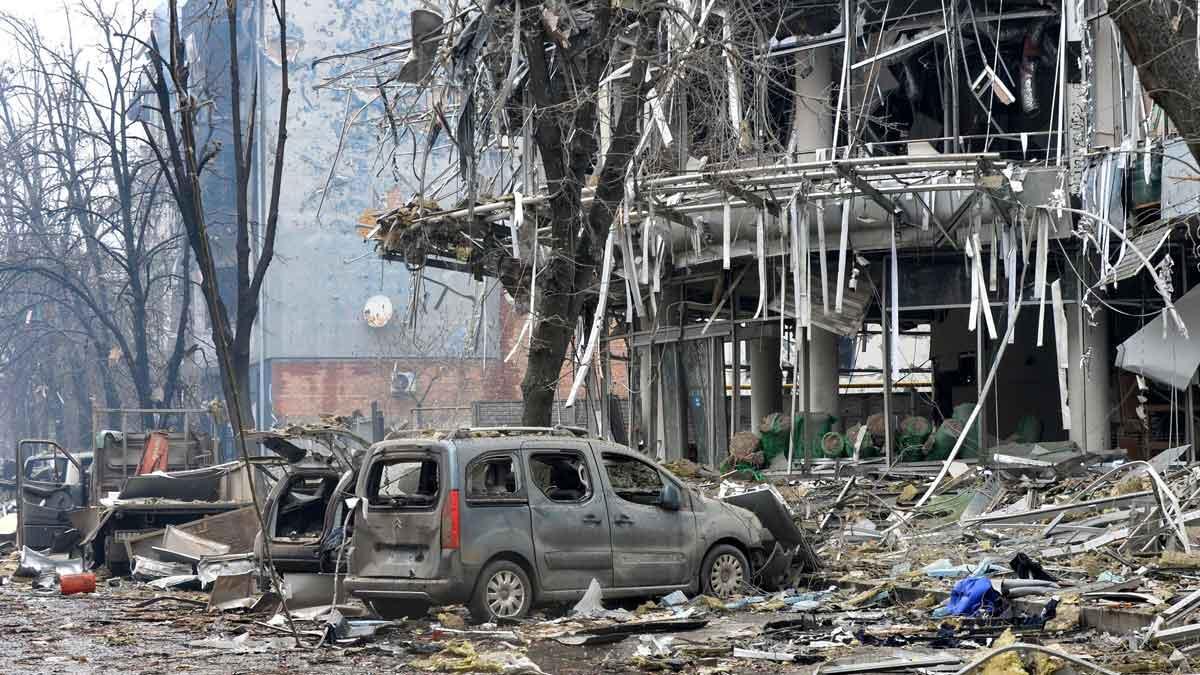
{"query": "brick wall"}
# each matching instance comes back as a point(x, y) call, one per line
point(304, 389)
point(508, 413)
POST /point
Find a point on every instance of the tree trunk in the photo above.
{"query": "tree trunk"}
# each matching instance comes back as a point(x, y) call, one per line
point(1165, 56)
point(572, 267)
point(83, 403)
point(241, 373)
point(552, 335)
point(112, 396)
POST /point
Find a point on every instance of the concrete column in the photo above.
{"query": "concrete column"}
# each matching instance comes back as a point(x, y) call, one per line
point(1088, 391)
point(823, 367)
point(766, 378)
point(647, 401)
point(812, 121)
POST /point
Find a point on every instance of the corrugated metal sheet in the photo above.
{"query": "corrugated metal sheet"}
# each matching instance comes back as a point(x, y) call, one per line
point(1148, 241)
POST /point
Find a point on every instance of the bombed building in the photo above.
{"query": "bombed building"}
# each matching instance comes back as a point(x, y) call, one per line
point(904, 220)
point(900, 297)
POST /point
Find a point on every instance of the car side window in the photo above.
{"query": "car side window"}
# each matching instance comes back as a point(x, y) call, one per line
point(493, 478)
point(46, 469)
point(561, 476)
point(632, 479)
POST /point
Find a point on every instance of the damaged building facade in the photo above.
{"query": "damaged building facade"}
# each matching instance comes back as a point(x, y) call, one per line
point(337, 333)
point(855, 213)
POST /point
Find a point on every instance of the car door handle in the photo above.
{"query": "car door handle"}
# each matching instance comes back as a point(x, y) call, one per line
point(623, 520)
point(590, 519)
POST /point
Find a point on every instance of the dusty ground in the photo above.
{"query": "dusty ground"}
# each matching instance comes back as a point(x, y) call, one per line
point(132, 628)
point(109, 631)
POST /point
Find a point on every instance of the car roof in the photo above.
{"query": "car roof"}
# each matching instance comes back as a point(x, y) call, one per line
point(468, 445)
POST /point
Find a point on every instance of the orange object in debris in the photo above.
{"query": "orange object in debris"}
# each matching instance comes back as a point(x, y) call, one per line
point(77, 583)
point(154, 457)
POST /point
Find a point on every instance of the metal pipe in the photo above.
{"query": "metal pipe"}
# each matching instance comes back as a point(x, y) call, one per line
point(852, 162)
point(804, 334)
point(953, 73)
point(1021, 646)
point(837, 194)
point(912, 85)
point(979, 388)
point(885, 328)
point(848, 25)
point(1030, 56)
point(500, 206)
point(751, 183)
point(1191, 401)
point(735, 402)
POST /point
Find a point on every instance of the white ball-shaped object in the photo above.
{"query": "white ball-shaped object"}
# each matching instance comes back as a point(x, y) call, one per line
point(378, 311)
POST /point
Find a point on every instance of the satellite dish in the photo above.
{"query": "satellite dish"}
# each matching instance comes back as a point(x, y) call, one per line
point(378, 311)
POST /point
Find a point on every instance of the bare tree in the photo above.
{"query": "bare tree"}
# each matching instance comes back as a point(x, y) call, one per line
point(82, 203)
point(179, 143)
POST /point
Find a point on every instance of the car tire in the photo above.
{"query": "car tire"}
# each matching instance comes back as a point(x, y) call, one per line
point(397, 609)
point(503, 592)
point(724, 571)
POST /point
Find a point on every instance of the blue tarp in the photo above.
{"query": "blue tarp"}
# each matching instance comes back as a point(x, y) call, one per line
point(969, 597)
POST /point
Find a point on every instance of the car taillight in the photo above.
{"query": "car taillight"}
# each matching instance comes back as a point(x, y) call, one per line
point(450, 522)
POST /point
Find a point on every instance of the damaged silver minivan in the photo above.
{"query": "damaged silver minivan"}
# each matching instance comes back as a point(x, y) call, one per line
point(503, 519)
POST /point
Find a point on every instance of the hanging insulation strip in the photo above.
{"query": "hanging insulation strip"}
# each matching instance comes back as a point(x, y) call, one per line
point(843, 244)
point(597, 321)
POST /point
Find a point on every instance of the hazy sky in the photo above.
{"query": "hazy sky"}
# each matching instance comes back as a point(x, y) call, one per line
point(53, 18)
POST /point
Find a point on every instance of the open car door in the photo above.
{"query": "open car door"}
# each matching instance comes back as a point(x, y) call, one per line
point(50, 484)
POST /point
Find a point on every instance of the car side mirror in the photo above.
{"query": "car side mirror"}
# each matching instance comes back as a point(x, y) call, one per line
point(670, 499)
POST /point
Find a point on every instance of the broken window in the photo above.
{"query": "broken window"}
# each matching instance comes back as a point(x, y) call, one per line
point(301, 510)
point(492, 478)
point(632, 479)
point(46, 469)
point(561, 476)
point(404, 483)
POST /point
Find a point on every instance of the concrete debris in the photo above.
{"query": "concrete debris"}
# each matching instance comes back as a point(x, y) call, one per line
point(590, 606)
point(1002, 570)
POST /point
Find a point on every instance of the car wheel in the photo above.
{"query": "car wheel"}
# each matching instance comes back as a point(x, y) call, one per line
point(503, 592)
point(397, 609)
point(724, 571)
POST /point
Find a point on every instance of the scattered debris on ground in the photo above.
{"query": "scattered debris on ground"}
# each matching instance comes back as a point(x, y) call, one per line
point(1089, 566)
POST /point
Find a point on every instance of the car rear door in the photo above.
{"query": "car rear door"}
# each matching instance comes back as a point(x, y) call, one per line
point(397, 530)
point(296, 513)
point(569, 515)
point(651, 545)
point(50, 484)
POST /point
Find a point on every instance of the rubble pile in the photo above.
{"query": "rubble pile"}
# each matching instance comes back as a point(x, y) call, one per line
point(1047, 559)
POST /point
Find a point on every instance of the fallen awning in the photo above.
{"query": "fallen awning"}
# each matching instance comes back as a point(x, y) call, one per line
point(1165, 355)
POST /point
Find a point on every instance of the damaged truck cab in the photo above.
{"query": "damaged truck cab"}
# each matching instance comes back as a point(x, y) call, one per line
point(502, 519)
